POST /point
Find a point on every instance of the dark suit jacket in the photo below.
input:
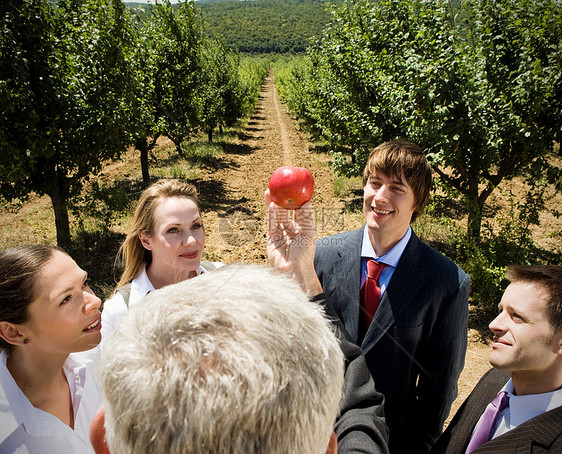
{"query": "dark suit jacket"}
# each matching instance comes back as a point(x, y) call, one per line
point(538, 435)
point(416, 344)
point(361, 426)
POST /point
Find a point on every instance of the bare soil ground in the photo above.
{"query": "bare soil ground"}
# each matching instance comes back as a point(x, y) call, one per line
point(236, 212)
point(231, 186)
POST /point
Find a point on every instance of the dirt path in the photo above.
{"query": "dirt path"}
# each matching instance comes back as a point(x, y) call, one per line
point(236, 218)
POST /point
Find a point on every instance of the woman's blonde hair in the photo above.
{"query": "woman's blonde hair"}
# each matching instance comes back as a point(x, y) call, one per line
point(134, 256)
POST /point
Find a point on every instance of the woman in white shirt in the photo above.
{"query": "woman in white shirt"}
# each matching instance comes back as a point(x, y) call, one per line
point(48, 392)
point(164, 245)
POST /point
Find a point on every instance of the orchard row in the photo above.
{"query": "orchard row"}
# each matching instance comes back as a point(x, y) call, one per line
point(80, 81)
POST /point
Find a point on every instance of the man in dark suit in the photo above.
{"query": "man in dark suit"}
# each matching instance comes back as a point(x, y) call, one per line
point(527, 359)
point(415, 341)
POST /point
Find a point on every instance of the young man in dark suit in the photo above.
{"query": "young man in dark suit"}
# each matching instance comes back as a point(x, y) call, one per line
point(527, 374)
point(415, 341)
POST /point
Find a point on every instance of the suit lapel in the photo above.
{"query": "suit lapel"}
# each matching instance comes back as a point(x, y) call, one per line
point(346, 271)
point(468, 415)
point(402, 289)
point(541, 430)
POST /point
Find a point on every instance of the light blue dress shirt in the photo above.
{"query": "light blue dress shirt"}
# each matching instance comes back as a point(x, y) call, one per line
point(391, 258)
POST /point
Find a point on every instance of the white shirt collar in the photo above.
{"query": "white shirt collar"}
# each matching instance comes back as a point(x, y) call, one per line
point(141, 286)
point(523, 408)
point(144, 284)
point(15, 406)
point(392, 257)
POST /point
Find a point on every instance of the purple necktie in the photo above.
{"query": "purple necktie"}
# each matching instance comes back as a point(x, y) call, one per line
point(482, 432)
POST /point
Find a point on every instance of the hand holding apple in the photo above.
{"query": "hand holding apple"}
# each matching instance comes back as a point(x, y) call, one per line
point(290, 187)
point(291, 243)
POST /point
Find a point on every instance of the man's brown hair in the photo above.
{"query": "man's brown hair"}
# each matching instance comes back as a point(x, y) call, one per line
point(549, 278)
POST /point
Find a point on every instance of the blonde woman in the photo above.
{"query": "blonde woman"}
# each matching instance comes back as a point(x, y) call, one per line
point(164, 246)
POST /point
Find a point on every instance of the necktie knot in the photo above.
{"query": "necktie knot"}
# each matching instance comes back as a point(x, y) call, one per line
point(374, 269)
point(501, 401)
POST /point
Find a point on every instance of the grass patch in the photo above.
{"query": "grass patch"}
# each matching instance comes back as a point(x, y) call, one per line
point(343, 185)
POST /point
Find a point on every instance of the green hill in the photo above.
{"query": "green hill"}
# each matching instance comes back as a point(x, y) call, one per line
point(266, 26)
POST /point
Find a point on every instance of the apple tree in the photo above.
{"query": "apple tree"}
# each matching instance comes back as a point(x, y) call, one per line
point(177, 73)
point(147, 125)
point(63, 81)
point(479, 87)
point(221, 93)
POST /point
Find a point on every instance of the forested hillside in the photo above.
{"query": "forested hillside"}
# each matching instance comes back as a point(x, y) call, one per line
point(266, 26)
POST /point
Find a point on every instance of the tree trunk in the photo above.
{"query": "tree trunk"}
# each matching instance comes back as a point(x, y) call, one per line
point(474, 221)
point(475, 206)
point(178, 148)
point(177, 142)
point(142, 146)
point(59, 197)
point(210, 134)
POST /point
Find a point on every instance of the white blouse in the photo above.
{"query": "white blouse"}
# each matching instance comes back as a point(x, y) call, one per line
point(26, 429)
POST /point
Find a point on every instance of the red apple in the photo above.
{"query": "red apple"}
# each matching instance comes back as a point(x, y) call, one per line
point(290, 187)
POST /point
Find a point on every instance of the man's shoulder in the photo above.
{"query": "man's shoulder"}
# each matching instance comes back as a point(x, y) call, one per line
point(495, 378)
point(433, 259)
point(542, 433)
point(347, 233)
point(428, 251)
point(339, 239)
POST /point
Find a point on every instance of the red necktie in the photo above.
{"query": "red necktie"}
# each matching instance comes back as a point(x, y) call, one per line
point(370, 294)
